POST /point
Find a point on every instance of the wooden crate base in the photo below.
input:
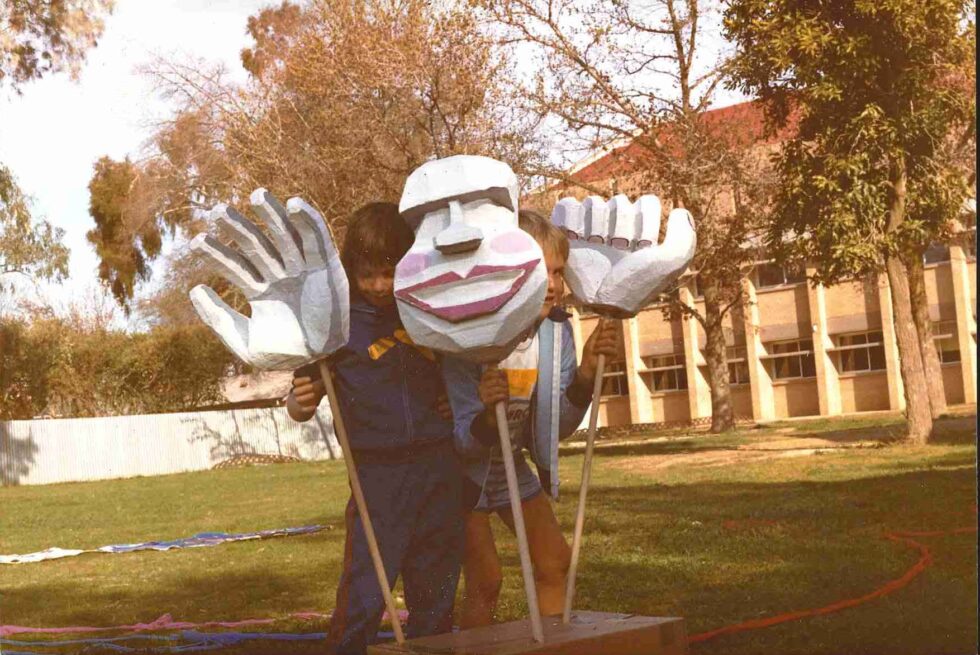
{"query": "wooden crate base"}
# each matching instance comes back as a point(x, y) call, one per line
point(588, 633)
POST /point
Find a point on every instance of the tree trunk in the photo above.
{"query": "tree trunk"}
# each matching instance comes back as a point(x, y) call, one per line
point(923, 325)
point(917, 410)
point(917, 407)
point(722, 415)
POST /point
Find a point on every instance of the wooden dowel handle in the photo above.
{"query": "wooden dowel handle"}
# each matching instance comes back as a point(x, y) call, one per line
point(584, 489)
point(537, 630)
point(362, 510)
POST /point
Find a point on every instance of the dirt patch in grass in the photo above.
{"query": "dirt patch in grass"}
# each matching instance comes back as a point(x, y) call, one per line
point(744, 453)
point(807, 443)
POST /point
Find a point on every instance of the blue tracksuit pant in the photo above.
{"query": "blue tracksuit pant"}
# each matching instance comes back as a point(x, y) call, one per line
point(414, 503)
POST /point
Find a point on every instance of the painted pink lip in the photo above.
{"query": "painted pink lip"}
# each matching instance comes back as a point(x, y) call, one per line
point(465, 311)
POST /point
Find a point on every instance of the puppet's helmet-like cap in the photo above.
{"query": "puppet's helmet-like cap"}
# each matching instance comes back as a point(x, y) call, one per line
point(461, 177)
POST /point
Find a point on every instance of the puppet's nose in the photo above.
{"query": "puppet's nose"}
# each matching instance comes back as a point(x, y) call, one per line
point(458, 236)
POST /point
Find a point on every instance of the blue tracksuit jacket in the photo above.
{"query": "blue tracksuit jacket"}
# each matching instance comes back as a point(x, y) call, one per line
point(388, 388)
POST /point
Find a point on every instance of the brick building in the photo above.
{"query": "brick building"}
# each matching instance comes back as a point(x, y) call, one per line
point(793, 349)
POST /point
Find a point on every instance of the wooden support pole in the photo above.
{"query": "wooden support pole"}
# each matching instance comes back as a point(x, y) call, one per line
point(537, 630)
point(584, 488)
point(362, 509)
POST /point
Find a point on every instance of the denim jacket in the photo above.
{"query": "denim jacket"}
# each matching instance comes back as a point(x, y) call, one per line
point(554, 415)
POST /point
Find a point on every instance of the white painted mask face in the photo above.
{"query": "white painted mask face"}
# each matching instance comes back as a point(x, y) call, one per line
point(473, 282)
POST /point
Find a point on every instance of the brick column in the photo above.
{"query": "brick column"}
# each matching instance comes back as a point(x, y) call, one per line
point(698, 389)
point(896, 391)
point(763, 403)
point(828, 381)
point(966, 325)
point(641, 407)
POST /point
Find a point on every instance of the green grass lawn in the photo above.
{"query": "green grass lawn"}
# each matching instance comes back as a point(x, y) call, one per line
point(718, 530)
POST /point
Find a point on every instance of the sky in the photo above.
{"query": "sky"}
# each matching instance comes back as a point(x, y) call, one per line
point(52, 134)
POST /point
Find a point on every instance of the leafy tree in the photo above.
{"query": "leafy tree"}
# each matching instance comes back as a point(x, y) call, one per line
point(344, 100)
point(274, 30)
point(631, 79)
point(877, 89)
point(28, 246)
point(39, 37)
point(125, 236)
point(27, 356)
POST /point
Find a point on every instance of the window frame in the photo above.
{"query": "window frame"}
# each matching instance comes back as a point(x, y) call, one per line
point(733, 358)
point(614, 375)
point(677, 371)
point(800, 355)
point(936, 253)
point(847, 347)
point(787, 276)
point(942, 332)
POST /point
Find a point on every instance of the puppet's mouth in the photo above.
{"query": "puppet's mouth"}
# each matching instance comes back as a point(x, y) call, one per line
point(454, 297)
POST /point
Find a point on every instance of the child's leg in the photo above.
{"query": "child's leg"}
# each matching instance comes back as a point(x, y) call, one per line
point(481, 571)
point(550, 553)
point(430, 569)
point(360, 603)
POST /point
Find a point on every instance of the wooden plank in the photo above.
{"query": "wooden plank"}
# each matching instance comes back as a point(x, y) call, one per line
point(587, 633)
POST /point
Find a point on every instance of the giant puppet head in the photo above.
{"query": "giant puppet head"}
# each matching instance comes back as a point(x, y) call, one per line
point(473, 282)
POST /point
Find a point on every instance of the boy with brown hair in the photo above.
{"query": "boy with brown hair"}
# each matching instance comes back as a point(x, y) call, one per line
point(389, 391)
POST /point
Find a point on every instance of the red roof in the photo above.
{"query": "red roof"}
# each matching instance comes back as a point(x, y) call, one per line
point(741, 124)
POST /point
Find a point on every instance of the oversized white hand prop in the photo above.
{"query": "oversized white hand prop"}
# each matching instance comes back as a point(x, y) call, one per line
point(615, 266)
point(295, 285)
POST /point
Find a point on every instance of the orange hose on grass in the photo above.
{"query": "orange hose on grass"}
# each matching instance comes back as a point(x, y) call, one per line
point(925, 559)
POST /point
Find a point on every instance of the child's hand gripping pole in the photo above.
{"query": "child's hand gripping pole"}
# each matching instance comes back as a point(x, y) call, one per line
point(537, 631)
point(362, 510)
point(584, 489)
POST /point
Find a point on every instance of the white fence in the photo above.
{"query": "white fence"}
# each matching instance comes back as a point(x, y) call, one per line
point(70, 450)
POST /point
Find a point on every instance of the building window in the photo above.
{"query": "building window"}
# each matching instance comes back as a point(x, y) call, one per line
point(614, 380)
point(790, 360)
point(864, 351)
point(947, 345)
point(666, 372)
point(738, 366)
point(936, 253)
point(773, 275)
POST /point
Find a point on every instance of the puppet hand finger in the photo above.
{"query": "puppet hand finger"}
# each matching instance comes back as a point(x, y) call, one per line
point(229, 264)
point(230, 326)
point(318, 246)
point(254, 245)
point(656, 267)
point(283, 232)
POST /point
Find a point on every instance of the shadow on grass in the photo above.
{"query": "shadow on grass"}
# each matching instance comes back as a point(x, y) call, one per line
point(672, 447)
point(202, 597)
point(955, 430)
point(885, 433)
point(948, 430)
point(724, 553)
